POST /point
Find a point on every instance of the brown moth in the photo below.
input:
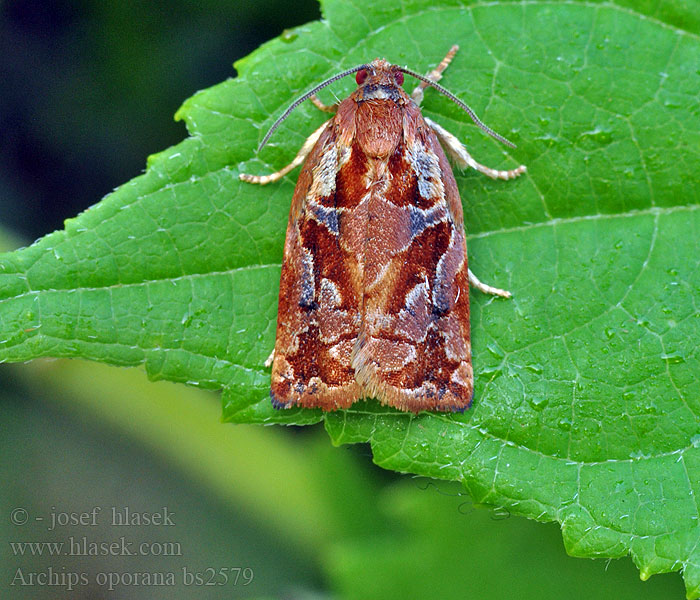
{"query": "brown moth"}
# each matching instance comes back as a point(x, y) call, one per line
point(374, 292)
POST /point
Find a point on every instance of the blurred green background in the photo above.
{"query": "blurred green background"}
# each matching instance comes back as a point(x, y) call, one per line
point(88, 92)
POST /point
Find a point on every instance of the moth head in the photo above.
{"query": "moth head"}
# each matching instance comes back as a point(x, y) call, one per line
point(379, 72)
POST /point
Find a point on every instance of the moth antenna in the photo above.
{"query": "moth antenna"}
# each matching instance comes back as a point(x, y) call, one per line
point(299, 100)
point(461, 104)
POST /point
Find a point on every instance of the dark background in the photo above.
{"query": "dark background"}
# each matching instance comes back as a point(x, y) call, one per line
point(89, 90)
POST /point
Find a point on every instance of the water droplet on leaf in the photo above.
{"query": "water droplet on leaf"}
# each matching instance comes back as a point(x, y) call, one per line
point(673, 357)
point(536, 368)
point(538, 402)
point(564, 424)
point(289, 35)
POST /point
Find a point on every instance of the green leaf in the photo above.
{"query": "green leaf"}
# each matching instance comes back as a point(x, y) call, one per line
point(587, 395)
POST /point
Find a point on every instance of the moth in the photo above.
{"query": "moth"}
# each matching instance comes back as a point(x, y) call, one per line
point(374, 290)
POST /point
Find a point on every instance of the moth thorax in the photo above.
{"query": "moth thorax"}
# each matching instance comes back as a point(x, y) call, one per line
point(379, 127)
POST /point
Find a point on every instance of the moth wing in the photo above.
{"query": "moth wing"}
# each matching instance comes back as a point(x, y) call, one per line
point(319, 303)
point(414, 352)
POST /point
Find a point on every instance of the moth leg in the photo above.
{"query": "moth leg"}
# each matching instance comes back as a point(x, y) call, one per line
point(298, 159)
point(330, 108)
point(270, 359)
point(435, 75)
point(463, 159)
point(487, 289)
